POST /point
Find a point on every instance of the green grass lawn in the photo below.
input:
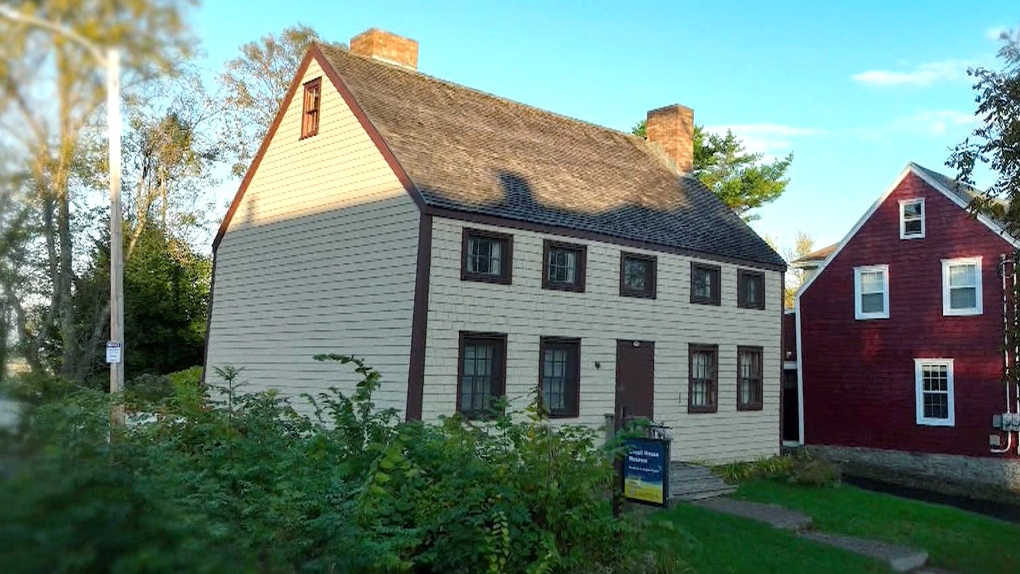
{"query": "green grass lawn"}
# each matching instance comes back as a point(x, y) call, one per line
point(956, 540)
point(722, 544)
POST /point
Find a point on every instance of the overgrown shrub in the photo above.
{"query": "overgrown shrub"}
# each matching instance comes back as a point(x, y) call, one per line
point(227, 481)
point(798, 468)
point(816, 472)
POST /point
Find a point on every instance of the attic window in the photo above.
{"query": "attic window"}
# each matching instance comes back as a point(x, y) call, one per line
point(912, 219)
point(310, 111)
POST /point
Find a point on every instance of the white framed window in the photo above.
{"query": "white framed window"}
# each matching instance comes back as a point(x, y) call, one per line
point(933, 379)
point(961, 286)
point(911, 219)
point(871, 292)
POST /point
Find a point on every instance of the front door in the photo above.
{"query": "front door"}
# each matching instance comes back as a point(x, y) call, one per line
point(791, 407)
point(635, 380)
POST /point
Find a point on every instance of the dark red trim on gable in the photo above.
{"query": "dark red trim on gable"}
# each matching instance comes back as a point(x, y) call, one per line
point(419, 320)
point(359, 113)
point(472, 217)
point(208, 318)
point(248, 175)
point(369, 127)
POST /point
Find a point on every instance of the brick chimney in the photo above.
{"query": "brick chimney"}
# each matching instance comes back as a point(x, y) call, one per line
point(672, 128)
point(382, 45)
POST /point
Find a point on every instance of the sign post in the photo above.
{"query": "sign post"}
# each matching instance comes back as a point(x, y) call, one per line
point(646, 471)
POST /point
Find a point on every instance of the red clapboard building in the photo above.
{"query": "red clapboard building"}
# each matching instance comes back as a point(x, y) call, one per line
point(899, 354)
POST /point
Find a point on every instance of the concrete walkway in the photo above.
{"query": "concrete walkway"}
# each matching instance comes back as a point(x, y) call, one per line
point(899, 558)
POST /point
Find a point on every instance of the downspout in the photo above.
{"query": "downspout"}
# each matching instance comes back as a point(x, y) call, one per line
point(1006, 324)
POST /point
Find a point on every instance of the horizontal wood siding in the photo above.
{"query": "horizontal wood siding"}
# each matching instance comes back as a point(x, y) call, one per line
point(319, 258)
point(859, 385)
point(598, 317)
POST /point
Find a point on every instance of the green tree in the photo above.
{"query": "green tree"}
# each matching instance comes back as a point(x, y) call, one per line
point(743, 180)
point(51, 92)
point(996, 142)
point(166, 286)
point(803, 244)
point(255, 83)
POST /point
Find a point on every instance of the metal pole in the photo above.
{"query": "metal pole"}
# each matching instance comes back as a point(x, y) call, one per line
point(116, 230)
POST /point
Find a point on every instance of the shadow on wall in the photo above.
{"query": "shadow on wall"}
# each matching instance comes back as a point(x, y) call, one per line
point(695, 219)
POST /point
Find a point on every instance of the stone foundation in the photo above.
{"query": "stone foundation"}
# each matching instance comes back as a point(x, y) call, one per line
point(989, 478)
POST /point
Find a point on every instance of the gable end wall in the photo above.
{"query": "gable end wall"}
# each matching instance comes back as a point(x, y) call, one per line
point(858, 376)
point(319, 257)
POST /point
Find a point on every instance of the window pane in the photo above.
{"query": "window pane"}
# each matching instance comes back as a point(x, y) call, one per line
point(479, 364)
point(872, 281)
point(752, 289)
point(702, 283)
point(962, 275)
point(558, 375)
point(912, 227)
point(935, 377)
point(912, 209)
point(635, 274)
point(485, 255)
point(562, 266)
point(872, 303)
point(935, 391)
point(963, 298)
point(699, 394)
point(936, 405)
point(702, 365)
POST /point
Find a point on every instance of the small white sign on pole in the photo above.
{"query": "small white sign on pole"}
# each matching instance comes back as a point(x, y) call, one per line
point(113, 352)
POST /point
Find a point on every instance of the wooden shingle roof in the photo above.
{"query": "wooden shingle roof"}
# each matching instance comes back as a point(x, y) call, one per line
point(468, 151)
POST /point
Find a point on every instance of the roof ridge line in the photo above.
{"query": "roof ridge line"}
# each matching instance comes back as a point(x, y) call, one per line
point(404, 69)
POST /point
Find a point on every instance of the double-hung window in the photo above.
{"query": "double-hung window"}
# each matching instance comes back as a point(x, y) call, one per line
point(871, 292)
point(703, 379)
point(750, 289)
point(961, 286)
point(487, 256)
point(637, 275)
point(934, 382)
point(750, 383)
point(912, 219)
point(563, 266)
point(559, 369)
point(705, 284)
point(310, 109)
point(481, 375)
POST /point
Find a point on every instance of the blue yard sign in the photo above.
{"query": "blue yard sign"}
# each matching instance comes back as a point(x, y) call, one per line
point(646, 471)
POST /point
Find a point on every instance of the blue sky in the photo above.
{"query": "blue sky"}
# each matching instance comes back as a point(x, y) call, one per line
point(854, 90)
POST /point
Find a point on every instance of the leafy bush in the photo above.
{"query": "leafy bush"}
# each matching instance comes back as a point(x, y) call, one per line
point(226, 481)
point(798, 468)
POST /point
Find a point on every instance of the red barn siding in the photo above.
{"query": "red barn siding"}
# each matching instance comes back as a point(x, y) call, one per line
point(858, 376)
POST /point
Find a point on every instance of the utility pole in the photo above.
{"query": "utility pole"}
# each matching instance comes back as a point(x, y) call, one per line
point(113, 129)
point(110, 61)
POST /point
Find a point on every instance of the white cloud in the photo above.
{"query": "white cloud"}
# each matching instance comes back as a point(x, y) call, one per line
point(924, 75)
point(925, 122)
point(996, 32)
point(936, 122)
point(772, 140)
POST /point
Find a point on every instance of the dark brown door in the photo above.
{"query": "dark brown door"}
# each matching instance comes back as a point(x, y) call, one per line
point(635, 379)
point(791, 407)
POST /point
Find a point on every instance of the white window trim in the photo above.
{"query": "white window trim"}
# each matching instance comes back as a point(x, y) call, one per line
point(979, 297)
point(903, 223)
point(919, 392)
point(860, 314)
